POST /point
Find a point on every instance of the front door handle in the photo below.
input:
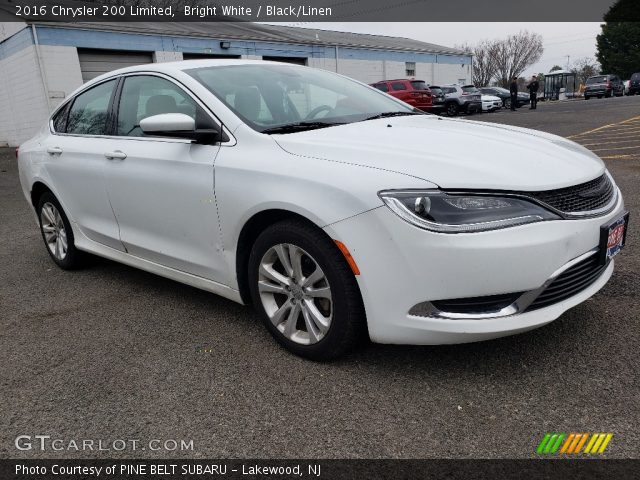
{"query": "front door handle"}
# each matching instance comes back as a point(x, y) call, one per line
point(116, 154)
point(54, 150)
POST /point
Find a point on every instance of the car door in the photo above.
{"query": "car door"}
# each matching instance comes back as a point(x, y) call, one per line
point(75, 163)
point(161, 189)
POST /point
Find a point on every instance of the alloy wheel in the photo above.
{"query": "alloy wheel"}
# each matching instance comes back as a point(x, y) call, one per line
point(295, 294)
point(55, 234)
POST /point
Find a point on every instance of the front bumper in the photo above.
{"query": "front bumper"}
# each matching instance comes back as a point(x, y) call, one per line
point(403, 266)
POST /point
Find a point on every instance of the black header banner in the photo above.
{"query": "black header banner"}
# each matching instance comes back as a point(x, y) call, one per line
point(172, 469)
point(301, 11)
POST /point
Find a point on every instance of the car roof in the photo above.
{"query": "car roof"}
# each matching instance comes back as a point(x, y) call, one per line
point(173, 67)
point(401, 80)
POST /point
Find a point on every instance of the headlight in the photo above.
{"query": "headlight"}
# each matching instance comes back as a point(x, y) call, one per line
point(462, 213)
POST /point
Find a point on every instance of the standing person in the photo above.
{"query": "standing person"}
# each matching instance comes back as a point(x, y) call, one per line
point(533, 92)
point(513, 89)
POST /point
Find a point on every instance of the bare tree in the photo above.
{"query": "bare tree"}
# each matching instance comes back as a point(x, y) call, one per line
point(515, 53)
point(484, 61)
point(584, 68)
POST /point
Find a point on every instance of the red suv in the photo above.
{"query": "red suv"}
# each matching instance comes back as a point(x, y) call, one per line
point(414, 92)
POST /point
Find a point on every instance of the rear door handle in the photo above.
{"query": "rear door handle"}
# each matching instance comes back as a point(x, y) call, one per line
point(117, 154)
point(54, 150)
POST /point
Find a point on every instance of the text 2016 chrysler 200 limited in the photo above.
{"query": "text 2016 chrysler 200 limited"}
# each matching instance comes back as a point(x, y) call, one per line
point(335, 209)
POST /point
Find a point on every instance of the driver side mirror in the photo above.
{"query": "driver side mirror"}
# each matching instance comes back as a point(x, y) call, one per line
point(179, 125)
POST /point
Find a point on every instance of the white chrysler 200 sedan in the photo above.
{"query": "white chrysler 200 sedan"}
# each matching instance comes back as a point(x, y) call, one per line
point(335, 209)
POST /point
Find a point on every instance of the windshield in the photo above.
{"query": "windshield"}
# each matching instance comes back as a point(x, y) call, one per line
point(270, 96)
point(502, 90)
point(436, 90)
point(419, 85)
point(600, 79)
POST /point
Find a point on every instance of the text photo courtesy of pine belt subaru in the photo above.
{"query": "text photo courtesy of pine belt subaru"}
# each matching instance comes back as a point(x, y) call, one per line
point(338, 211)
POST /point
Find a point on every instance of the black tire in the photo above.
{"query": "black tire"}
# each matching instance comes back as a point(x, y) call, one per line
point(507, 103)
point(452, 109)
point(348, 323)
point(73, 258)
point(586, 97)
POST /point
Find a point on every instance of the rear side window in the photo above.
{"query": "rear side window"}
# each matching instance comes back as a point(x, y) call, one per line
point(88, 114)
point(60, 120)
point(382, 87)
point(599, 79)
point(395, 86)
point(418, 85)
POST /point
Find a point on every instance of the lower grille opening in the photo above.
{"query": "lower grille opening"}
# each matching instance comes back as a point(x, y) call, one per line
point(570, 282)
point(487, 304)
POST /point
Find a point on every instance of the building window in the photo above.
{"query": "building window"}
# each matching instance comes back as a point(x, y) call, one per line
point(410, 68)
point(462, 81)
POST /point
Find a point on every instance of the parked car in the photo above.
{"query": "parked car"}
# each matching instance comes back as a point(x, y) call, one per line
point(603, 86)
point(338, 211)
point(464, 98)
point(414, 92)
point(634, 84)
point(505, 96)
point(491, 103)
point(437, 99)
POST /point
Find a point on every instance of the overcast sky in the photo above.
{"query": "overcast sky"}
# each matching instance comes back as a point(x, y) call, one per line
point(577, 40)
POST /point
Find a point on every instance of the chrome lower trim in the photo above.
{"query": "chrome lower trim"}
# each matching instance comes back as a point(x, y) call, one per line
point(427, 309)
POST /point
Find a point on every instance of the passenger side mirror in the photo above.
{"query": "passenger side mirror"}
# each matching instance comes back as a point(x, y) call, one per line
point(179, 125)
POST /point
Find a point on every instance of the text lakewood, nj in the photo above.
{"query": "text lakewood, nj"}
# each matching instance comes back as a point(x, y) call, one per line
point(237, 11)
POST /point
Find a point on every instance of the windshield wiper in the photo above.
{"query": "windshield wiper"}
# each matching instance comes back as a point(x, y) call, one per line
point(298, 127)
point(392, 114)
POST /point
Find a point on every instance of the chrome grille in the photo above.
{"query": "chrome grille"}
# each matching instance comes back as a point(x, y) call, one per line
point(586, 197)
point(570, 282)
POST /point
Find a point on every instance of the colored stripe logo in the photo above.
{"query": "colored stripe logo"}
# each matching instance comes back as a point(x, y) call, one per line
point(574, 443)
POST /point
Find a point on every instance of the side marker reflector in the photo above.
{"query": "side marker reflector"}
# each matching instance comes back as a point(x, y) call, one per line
point(347, 255)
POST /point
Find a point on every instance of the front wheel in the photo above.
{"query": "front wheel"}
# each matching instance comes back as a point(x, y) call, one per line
point(507, 103)
point(305, 290)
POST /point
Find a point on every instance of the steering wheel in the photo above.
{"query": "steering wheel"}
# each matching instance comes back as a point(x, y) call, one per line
point(314, 113)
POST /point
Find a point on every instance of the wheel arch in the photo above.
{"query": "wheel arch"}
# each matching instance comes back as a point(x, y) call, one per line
point(37, 190)
point(250, 231)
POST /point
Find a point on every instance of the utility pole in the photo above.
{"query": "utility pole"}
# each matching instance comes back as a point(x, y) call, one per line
point(568, 57)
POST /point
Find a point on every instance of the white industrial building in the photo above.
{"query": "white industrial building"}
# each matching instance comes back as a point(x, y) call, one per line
point(42, 63)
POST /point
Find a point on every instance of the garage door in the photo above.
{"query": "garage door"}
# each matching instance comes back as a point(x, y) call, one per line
point(198, 56)
point(97, 62)
point(294, 60)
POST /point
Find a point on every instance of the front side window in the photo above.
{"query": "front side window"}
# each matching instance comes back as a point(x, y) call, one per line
point(382, 87)
point(88, 114)
point(144, 96)
point(267, 97)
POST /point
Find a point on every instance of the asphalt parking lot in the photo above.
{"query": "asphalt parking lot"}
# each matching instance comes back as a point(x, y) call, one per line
point(110, 352)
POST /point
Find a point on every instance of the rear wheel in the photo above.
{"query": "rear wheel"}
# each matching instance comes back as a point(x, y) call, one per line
point(507, 103)
point(306, 293)
point(57, 234)
point(452, 109)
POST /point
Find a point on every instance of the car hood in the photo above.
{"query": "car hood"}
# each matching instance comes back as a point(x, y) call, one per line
point(452, 153)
